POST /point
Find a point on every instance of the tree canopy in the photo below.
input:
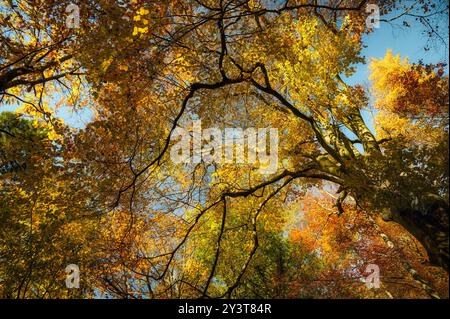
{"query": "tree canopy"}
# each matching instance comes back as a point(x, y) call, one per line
point(109, 198)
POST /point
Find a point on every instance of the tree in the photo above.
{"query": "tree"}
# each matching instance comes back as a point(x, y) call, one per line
point(36, 57)
point(46, 221)
point(349, 246)
point(151, 67)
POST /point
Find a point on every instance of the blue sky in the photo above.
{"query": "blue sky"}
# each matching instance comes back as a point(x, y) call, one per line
point(408, 42)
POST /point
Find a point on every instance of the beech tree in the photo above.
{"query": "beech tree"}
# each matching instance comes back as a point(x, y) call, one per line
point(202, 229)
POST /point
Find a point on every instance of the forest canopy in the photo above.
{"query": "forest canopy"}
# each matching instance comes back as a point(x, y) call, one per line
point(222, 151)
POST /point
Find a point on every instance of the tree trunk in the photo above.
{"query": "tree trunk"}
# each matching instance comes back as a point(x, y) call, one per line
point(430, 227)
